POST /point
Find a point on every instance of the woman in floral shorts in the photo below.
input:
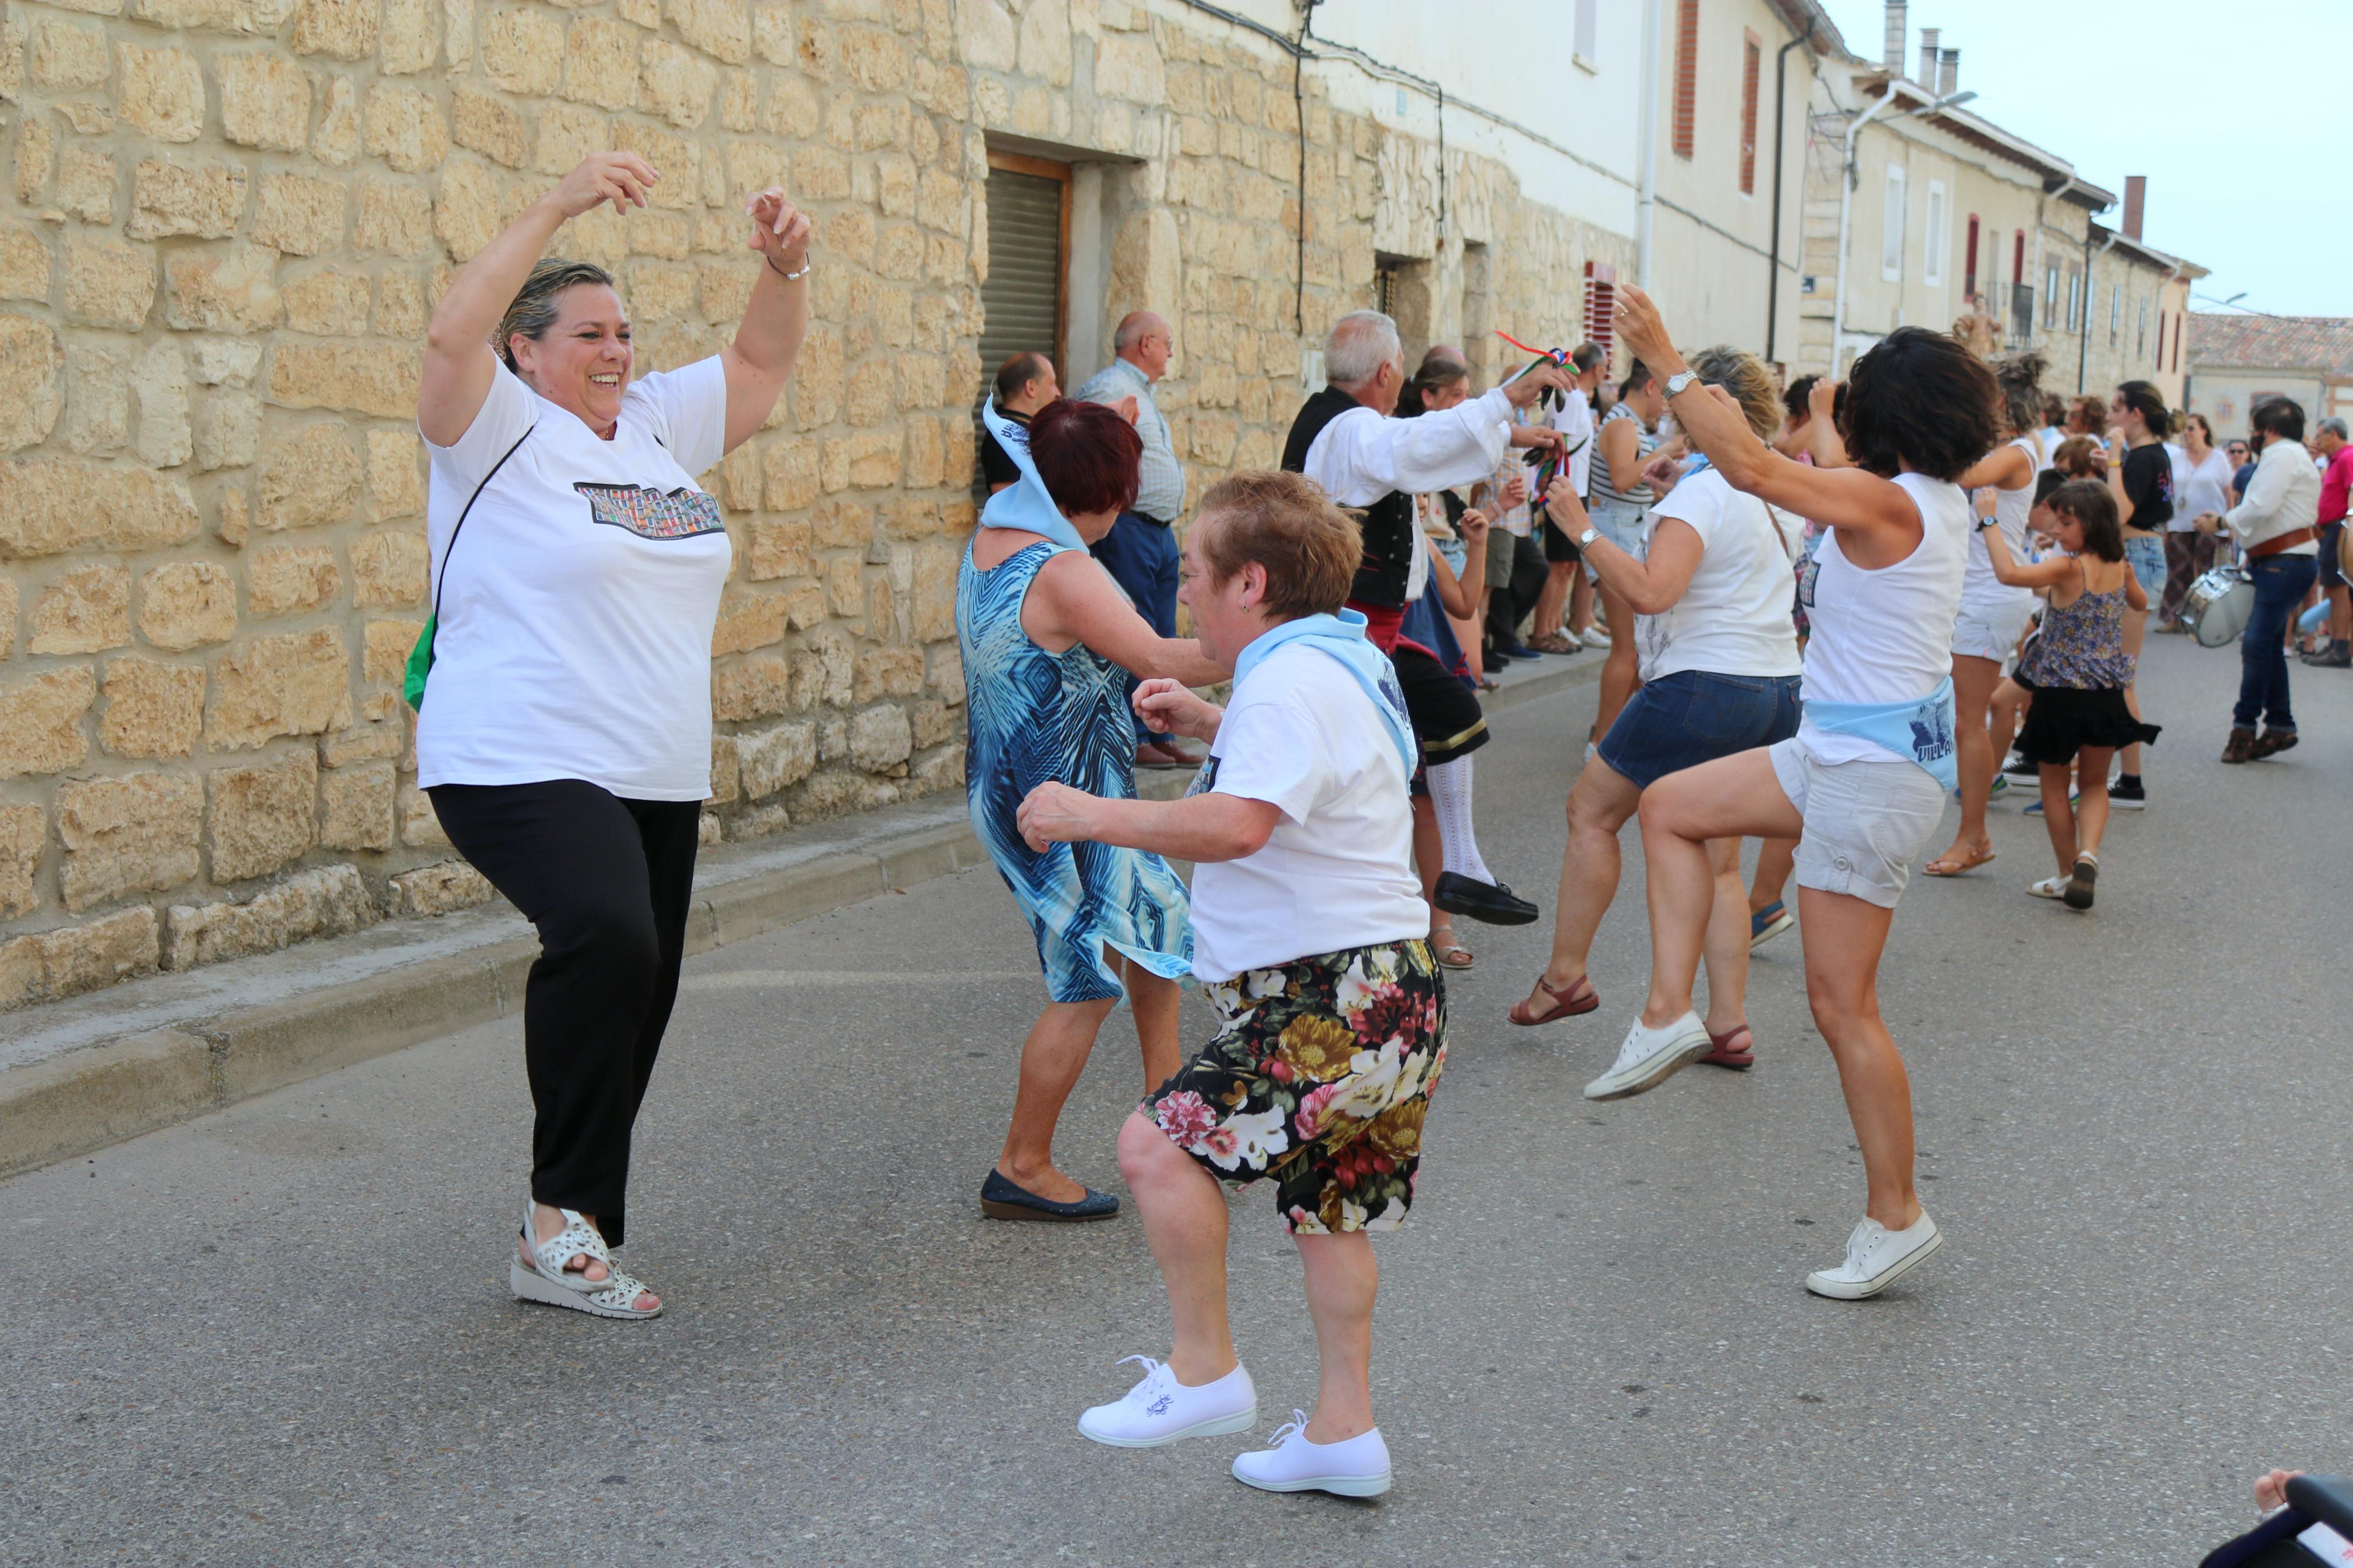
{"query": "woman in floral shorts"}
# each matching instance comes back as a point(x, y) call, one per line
point(1310, 933)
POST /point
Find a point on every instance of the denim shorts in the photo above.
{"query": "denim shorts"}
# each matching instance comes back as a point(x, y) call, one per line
point(1620, 523)
point(1693, 716)
point(2147, 556)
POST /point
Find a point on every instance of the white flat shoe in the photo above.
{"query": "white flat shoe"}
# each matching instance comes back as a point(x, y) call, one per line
point(1876, 1257)
point(2049, 887)
point(548, 1282)
point(1162, 1410)
point(1650, 1057)
point(1354, 1466)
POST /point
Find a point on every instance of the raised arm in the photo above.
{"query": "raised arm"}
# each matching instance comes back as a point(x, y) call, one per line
point(768, 338)
point(1211, 826)
point(1074, 600)
point(1824, 442)
point(1462, 596)
point(2047, 573)
point(459, 360)
point(2005, 468)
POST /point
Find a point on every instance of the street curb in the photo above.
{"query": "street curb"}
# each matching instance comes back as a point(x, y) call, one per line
point(85, 1098)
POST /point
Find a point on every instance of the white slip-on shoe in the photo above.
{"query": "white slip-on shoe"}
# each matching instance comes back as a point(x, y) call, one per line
point(1354, 1466)
point(1595, 636)
point(1162, 1410)
point(1876, 1257)
point(2049, 887)
point(1650, 1057)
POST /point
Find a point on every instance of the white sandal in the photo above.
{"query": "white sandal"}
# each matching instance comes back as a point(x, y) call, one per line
point(547, 1281)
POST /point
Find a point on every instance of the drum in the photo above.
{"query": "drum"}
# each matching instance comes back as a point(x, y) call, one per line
point(2217, 606)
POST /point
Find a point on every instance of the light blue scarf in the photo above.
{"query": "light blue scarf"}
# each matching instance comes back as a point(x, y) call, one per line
point(1343, 637)
point(1921, 730)
point(1024, 504)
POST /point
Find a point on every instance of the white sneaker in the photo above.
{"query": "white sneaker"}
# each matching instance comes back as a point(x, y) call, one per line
point(1876, 1257)
point(1161, 1410)
point(1355, 1467)
point(1650, 1057)
point(2050, 888)
point(1595, 636)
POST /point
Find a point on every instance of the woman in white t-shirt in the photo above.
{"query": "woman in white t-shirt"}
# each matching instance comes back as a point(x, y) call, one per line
point(1710, 596)
point(1993, 614)
point(2202, 484)
point(1862, 783)
point(563, 730)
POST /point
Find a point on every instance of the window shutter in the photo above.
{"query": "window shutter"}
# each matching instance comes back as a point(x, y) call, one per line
point(1686, 74)
point(1751, 67)
point(1600, 298)
point(1021, 302)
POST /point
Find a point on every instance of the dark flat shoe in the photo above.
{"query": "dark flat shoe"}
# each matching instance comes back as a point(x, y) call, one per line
point(1490, 901)
point(1001, 1199)
point(2271, 743)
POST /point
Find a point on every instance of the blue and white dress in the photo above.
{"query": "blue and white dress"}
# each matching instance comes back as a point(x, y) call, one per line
point(1033, 717)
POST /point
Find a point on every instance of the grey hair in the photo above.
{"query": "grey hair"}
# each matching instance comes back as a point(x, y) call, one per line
point(1361, 342)
point(532, 310)
point(1750, 381)
point(1133, 328)
point(2333, 425)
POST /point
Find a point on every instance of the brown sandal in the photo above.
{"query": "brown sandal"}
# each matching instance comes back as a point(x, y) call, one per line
point(1578, 998)
point(1739, 1058)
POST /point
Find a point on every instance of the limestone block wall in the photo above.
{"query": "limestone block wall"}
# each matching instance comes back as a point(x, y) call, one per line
point(228, 220)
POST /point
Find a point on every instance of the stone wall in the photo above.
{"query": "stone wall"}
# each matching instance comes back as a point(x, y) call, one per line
point(228, 220)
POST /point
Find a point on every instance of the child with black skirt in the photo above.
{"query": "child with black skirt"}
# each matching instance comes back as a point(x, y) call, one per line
point(2077, 669)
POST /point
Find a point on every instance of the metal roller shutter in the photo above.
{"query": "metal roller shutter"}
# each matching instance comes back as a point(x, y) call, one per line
point(1022, 303)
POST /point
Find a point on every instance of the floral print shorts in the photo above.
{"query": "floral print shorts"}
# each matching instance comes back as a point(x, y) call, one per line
point(1320, 1078)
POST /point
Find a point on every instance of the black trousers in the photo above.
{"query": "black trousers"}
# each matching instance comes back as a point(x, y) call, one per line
point(608, 883)
point(1508, 602)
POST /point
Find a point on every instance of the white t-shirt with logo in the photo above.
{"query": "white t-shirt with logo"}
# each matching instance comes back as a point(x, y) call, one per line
point(1337, 872)
point(575, 618)
point(1575, 423)
point(1734, 618)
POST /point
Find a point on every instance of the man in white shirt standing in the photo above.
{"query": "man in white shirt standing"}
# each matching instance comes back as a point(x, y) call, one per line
point(1140, 551)
point(2275, 528)
point(1566, 587)
point(1310, 935)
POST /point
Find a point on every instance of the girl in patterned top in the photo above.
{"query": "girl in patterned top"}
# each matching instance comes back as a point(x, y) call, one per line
point(2078, 670)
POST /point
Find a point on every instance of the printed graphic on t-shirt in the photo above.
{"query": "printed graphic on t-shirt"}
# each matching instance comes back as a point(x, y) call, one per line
point(1205, 779)
point(1806, 577)
point(648, 513)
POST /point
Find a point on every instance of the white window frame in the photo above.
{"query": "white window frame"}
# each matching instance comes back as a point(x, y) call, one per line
point(1584, 34)
point(2115, 310)
point(2142, 351)
point(1891, 226)
point(2051, 295)
point(2075, 301)
point(1933, 243)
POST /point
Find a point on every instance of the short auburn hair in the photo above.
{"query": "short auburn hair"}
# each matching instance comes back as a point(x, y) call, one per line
point(1088, 454)
point(1285, 522)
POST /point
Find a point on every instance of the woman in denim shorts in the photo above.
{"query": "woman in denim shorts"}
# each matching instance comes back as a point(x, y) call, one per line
point(1710, 587)
point(1862, 784)
point(2140, 478)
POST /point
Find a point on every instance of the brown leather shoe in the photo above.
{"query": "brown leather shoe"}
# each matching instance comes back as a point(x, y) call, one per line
point(2271, 743)
point(2239, 747)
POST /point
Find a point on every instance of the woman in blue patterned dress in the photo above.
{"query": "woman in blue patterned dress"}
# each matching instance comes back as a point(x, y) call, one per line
point(1049, 642)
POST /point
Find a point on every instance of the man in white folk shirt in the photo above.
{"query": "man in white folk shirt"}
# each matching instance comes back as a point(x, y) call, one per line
point(1346, 440)
point(2275, 528)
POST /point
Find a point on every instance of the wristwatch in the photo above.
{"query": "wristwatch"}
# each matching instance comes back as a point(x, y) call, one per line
point(1681, 380)
point(1585, 541)
point(1986, 522)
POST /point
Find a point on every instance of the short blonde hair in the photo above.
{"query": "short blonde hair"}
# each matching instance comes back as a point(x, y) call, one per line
point(1285, 522)
point(1745, 377)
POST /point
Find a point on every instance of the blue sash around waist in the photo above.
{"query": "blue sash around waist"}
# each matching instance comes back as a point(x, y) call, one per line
point(1919, 730)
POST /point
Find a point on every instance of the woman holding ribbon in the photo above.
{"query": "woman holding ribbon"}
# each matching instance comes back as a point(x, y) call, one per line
point(1862, 784)
point(1047, 642)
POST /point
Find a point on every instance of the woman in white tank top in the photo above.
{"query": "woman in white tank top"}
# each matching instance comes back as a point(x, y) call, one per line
point(1993, 615)
point(1862, 784)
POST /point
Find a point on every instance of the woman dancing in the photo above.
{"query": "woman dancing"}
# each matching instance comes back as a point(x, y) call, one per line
point(1048, 641)
point(1862, 784)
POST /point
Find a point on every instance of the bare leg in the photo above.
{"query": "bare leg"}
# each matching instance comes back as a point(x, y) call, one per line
point(2001, 725)
point(2058, 816)
point(1599, 805)
point(1732, 797)
point(1185, 1221)
point(1154, 1001)
point(1581, 601)
point(1470, 637)
point(1428, 851)
point(1843, 937)
point(1728, 942)
point(1051, 1059)
point(1776, 857)
point(1973, 683)
point(2135, 632)
point(1619, 669)
point(2092, 803)
point(1552, 599)
point(1342, 1278)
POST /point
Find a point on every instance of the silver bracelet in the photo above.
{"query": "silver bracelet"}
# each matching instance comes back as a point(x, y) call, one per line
point(808, 263)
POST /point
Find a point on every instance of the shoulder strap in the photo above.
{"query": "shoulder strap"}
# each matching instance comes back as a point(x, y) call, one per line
point(452, 549)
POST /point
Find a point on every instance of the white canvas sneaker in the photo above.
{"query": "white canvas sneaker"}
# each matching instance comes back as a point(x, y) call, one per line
point(1876, 1257)
point(1162, 1410)
point(1354, 1466)
point(1650, 1057)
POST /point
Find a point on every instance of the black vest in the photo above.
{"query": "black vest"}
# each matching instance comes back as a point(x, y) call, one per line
point(1388, 525)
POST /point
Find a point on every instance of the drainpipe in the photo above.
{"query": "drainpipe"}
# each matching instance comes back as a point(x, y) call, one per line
point(1647, 152)
point(1780, 156)
point(1846, 211)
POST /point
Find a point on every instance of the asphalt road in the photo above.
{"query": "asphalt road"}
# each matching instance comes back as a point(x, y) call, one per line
point(281, 1334)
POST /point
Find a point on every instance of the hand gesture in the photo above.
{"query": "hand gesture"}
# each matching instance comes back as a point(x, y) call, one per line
point(1129, 409)
point(780, 231)
point(1822, 399)
point(1567, 511)
point(1052, 813)
point(1641, 326)
point(621, 178)
point(1473, 526)
point(1529, 387)
point(1536, 438)
point(1516, 490)
point(1661, 473)
point(2207, 522)
point(1169, 708)
point(1986, 500)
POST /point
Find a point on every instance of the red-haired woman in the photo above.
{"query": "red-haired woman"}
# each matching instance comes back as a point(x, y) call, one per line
point(1048, 641)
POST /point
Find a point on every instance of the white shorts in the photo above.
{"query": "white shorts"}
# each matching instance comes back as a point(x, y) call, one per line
point(1992, 630)
point(1865, 822)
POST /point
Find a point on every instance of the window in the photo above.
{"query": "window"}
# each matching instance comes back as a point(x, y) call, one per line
point(1891, 227)
point(2051, 295)
point(1582, 32)
point(1752, 64)
point(1686, 74)
point(2115, 310)
point(1028, 264)
point(2017, 258)
point(2074, 301)
point(1385, 286)
point(1969, 263)
point(1601, 299)
point(2141, 341)
point(1932, 260)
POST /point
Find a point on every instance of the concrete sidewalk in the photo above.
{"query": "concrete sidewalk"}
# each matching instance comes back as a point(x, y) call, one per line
point(77, 1075)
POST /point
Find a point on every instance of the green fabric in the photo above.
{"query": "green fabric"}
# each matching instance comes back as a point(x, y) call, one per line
point(420, 665)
